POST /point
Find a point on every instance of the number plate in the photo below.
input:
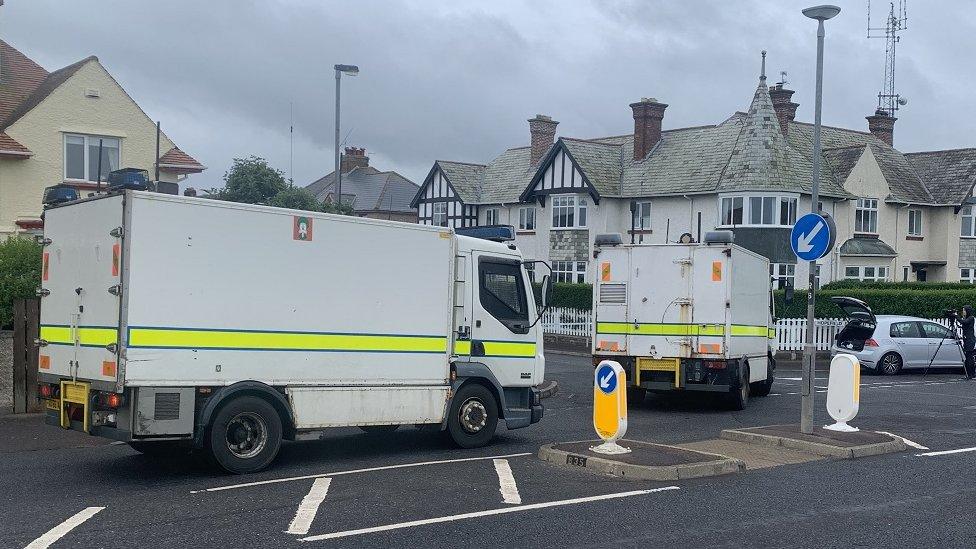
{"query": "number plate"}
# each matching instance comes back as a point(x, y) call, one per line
point(577, 461)
point(52, 404)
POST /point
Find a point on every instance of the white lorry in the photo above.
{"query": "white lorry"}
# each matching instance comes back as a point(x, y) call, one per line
point(173, 320)
point(685, 317)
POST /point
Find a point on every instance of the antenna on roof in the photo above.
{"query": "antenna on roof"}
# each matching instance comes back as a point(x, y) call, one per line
point(897, 21)
point(762, 75)
point(782, 79)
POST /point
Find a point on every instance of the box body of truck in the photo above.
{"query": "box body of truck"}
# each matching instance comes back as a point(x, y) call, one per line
point(175, 304)
point(685, 317)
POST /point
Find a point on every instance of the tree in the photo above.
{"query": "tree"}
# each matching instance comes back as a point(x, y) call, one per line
point(20, 273)
point(333, 208)
point(296, 199)
point(251, 180)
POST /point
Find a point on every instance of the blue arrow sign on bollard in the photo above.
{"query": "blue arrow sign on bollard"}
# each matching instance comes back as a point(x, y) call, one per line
point(813, 236)
point(606, 379)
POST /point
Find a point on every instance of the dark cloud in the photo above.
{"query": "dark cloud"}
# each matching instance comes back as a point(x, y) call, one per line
point(457, 81)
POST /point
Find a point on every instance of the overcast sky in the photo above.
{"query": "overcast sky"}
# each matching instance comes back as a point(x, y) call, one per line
point(457, 80)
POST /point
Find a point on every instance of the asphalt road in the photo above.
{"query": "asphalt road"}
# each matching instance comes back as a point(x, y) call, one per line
point(383, 492)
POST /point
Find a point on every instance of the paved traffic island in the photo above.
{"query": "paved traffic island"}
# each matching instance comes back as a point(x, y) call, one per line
point(822, 442)
point(646, 461)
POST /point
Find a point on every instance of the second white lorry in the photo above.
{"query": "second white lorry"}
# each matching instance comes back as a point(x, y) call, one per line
point(173, 320)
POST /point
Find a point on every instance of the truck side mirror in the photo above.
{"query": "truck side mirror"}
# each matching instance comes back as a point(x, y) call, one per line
point(788, 294)
point(546, 291)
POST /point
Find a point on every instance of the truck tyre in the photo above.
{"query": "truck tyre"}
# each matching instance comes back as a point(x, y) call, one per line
point(473, 416)
point(378, 429)
point(762, 388)
point(245, 435)
point(636, 395)
point(739, 396)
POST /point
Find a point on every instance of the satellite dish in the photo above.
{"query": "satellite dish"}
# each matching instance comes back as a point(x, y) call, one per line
point(902, 100)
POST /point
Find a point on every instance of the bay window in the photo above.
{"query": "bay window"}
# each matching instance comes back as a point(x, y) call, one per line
point(867, 274)
point(81, 160)
point(758, 210)
point(968, 222)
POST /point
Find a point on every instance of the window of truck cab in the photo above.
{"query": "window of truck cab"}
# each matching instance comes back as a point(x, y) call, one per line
point(81, 156)
point(501, 289)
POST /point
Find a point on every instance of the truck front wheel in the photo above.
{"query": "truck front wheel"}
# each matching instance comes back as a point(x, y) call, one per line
point(473, 416)
point(245, 435)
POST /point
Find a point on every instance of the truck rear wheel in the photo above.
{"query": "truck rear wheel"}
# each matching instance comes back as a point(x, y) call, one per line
point(738, 399)
point(245, 435)
point(473, 417)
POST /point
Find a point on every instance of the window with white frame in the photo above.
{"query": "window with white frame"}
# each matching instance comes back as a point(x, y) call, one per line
point(967, 275)
point(782, 274)
point(968, 227)
point(526, 218)
point(81, 156)
point(573, 272)
point(642, 216)
point(868, 274)
point(732, 208)
point(568, 211)
point(439, 217)
point(914, 222)
point(758, 210)
point(866, 215)
point(491, 216)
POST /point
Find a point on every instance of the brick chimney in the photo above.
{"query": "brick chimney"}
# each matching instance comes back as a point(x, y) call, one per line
point(542, 128)
point(354, 157)
point(648, 114)
point(785, 109)
point(882, 125)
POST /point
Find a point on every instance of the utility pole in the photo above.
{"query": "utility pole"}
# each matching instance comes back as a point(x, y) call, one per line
point(821, 14)
point(351, 70)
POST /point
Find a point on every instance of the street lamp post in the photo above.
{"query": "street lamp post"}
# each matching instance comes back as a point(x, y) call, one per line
point(821, 14)
point(351, 70)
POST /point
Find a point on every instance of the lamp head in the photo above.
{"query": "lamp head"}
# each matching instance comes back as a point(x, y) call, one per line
point(821, 13)
point(351, 70)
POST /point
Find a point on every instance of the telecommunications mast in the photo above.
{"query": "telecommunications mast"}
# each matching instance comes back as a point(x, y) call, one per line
point(896, 21)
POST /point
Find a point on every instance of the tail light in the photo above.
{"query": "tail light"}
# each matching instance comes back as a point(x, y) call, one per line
point(715, 364)
point(871, 343)
point(45, 391)
point(113, 400)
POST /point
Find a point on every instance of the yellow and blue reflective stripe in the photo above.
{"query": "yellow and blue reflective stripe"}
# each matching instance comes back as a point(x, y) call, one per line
point(678, 329)
point(255, 340)
point(88, 336)
point(498, 348)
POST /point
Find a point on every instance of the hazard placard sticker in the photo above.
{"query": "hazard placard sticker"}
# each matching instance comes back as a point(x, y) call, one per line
point(716, 271)
point(116, 253)
point(605, 271)
point(44, 266)
point(302, 229)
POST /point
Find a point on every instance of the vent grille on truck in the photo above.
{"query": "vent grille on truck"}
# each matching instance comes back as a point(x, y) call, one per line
point(167, 406)
point(613, 293)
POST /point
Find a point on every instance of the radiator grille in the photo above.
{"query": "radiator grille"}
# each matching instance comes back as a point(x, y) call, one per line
point(613, 293)
point(167, 406)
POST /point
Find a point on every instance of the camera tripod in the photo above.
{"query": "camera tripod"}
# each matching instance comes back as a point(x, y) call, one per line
point(956, 341)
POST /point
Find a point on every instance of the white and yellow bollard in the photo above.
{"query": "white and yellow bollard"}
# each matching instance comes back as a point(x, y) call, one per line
point(843, 392)
point(610, 406)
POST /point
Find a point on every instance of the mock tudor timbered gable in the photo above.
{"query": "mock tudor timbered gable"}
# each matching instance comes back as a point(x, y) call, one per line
point(439, 203)
point(559, 173)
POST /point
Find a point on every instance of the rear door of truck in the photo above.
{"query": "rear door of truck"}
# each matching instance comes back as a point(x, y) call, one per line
point(81, 271)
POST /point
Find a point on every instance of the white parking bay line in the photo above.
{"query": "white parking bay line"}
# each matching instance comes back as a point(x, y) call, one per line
point(913, 444)
point(59, 531)
point(490, 512)
point(946, 452)
point(354, 471)
point(309, 507)
point(506, 483)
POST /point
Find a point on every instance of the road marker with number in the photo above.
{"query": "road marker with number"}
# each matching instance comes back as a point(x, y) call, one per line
point(610, 406)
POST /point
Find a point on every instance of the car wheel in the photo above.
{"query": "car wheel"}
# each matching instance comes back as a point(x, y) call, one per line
point(738, 398)
point(245, 435)
point(474, 416)
point(890, 364)
point(378, 429)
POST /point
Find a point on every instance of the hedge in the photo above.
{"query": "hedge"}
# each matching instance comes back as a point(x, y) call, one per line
point(20, 274)
point(926, 301)
point(573, 296)
point(858, 285)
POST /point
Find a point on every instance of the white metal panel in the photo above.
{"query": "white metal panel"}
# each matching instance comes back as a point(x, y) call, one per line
point(200, 264)
point(317, 407)
point(661, 292)
point(750, 284)
point(617, 263)
point(79, 273)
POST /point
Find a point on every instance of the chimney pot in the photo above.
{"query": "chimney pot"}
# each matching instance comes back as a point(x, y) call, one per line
point(648, 115)
point(353, 157)
point(542, 130)
point(882, 126)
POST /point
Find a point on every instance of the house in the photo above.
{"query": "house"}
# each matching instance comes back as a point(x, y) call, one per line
point(370, 192)
point(51, 126)
point(899, 216)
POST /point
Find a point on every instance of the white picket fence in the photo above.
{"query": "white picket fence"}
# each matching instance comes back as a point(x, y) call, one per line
point(790, 332)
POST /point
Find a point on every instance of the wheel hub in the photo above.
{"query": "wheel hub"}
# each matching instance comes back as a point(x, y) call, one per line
point(247, 435)
point(473, 415)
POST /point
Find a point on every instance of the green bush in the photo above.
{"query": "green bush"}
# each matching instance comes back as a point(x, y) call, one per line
point(573, 296)
point(927, 301)
point(20, 274)
point(857, 284)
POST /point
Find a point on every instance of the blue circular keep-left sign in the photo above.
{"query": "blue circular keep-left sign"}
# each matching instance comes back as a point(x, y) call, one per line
point(813, 236)
point(606, 378)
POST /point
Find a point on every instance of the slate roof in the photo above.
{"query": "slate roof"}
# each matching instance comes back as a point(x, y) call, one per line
point(746, 152)
point(949, 175)
point(860, 246)
point(368, 189)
